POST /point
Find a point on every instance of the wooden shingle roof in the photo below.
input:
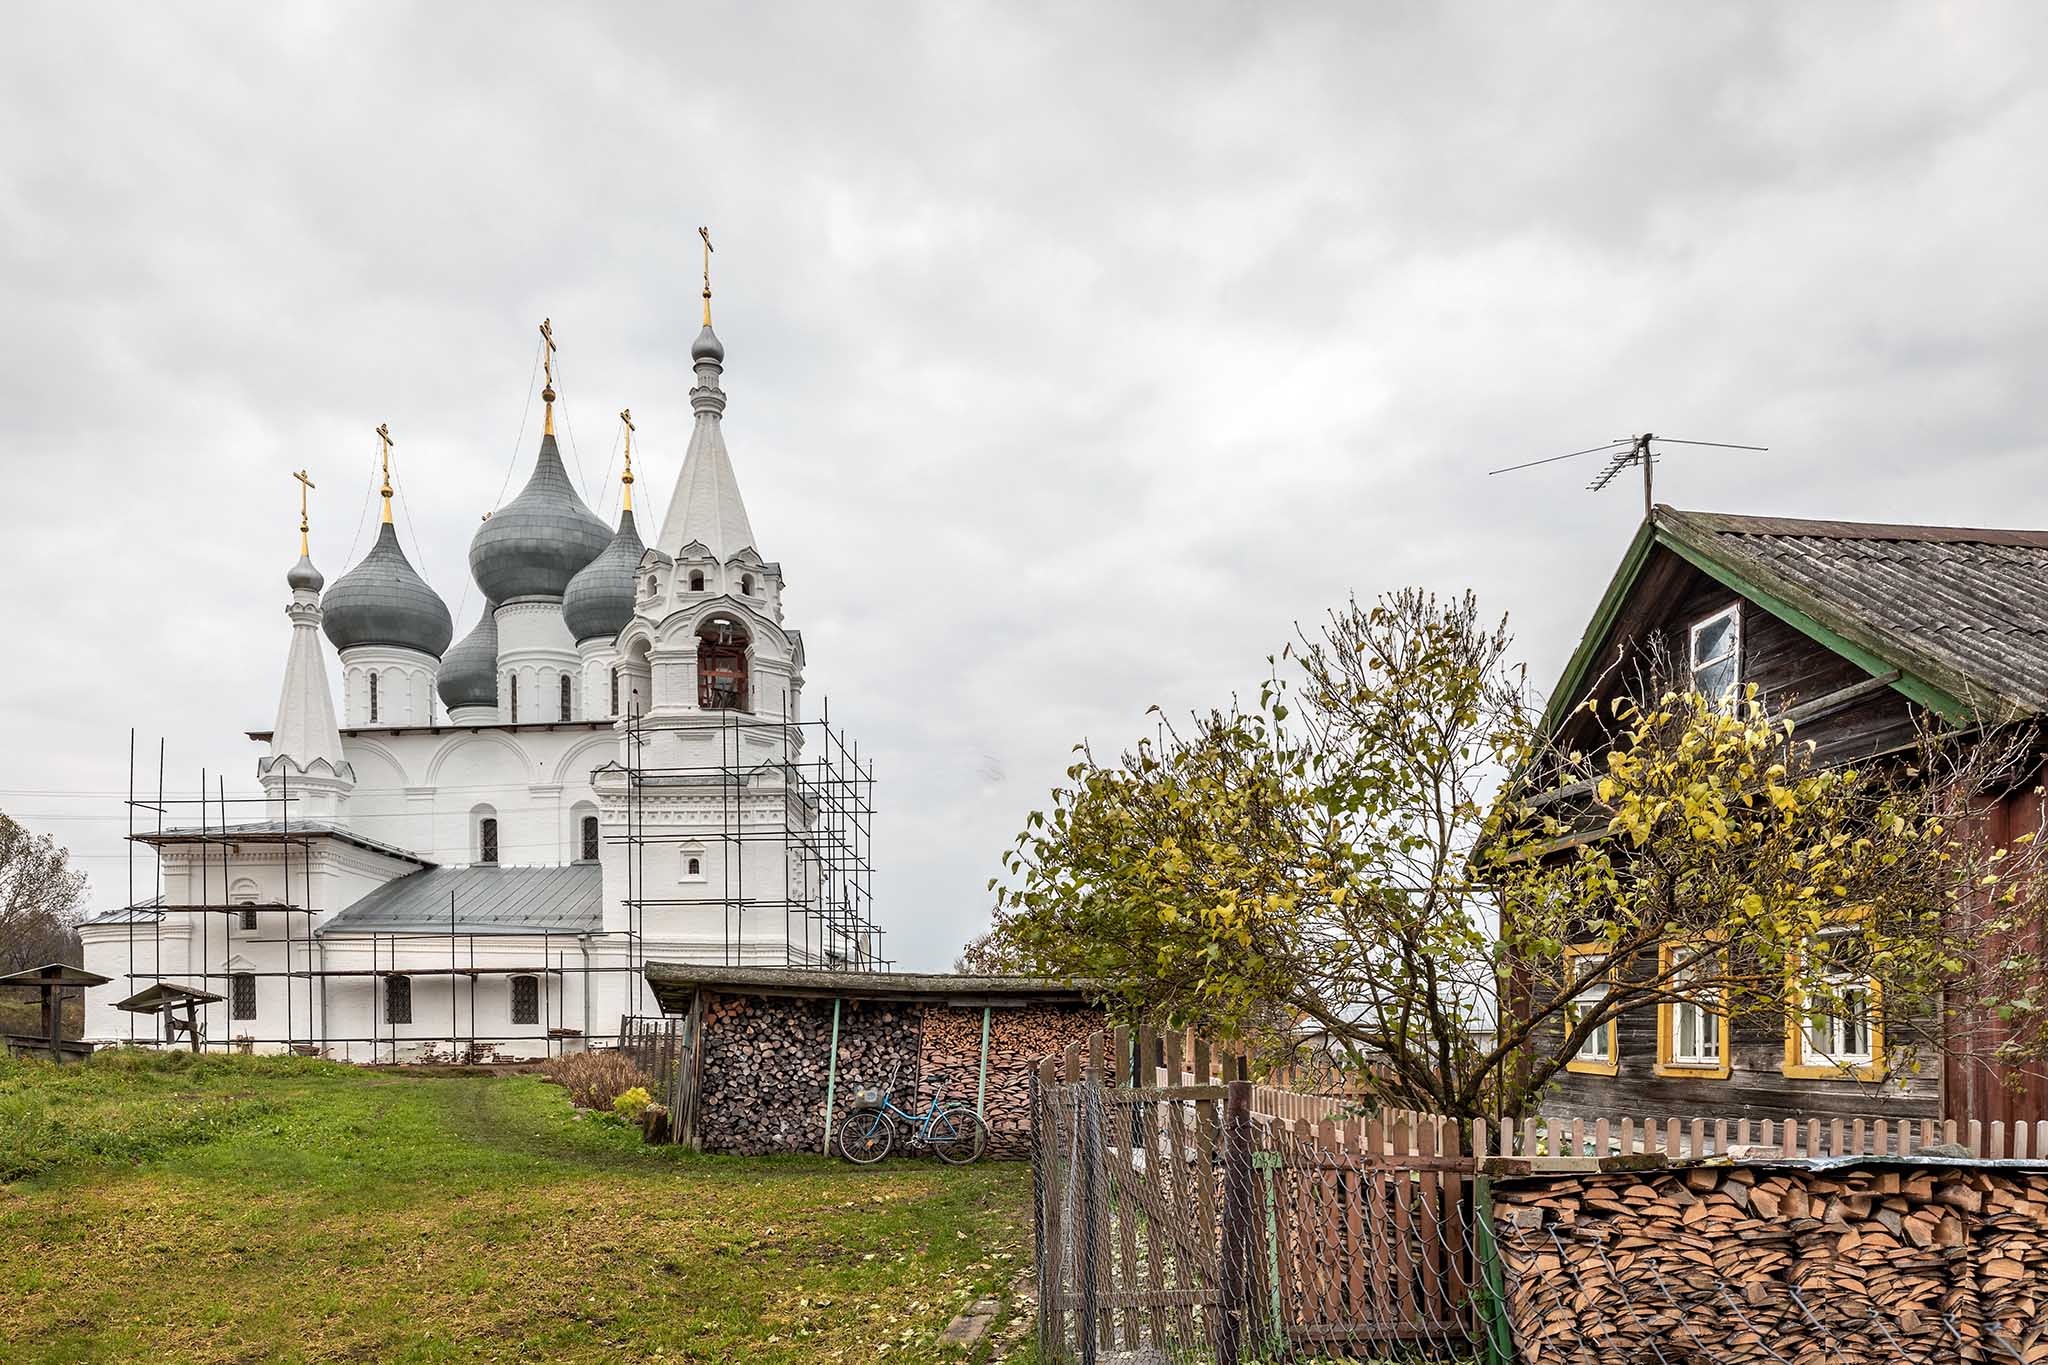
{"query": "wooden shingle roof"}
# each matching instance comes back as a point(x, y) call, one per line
point(1961, 613)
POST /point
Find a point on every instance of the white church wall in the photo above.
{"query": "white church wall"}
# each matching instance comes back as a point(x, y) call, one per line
point(404, 691)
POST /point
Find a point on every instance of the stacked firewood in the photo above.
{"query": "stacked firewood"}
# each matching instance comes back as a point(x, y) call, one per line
point(1017, 1038)
point(1777, 1263)
point(763, 1076)
point(2012, 1263)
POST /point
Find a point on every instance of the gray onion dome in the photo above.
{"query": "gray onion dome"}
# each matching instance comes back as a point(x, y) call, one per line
point(532, 546)
point(598, 602)
point(384, 601)
point(304, 575)
point(707, 346)
point(469, 673)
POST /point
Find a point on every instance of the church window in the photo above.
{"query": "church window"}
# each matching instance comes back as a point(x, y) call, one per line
point(373, 699)
point(515, 698)
point(487, 839)
point(526, 1000)
point(696, 580)
point(590, 838)
point(242, 995)
point(248, 919)
point(566, 696)
point(615, 691)
point(722, 666)
point(747, 584)
point(398, 1000)
point(696, 867)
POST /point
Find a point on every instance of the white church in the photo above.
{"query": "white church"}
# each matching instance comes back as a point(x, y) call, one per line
point(612, 766)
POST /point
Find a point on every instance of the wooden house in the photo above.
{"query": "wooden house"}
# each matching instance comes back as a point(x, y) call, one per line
point(1860, 632)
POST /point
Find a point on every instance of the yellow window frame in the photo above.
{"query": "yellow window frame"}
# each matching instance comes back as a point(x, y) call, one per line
point(1667, 1031)
point(1585, 1066)
point(1796, 1066)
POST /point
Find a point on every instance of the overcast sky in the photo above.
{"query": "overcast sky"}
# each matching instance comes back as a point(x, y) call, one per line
point(1073, 353)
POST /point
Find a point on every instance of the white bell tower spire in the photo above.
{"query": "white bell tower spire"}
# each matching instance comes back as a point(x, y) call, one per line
point(305, 763)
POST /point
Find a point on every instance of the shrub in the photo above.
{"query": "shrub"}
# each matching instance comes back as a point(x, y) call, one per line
point(595, 1079)
point(629, 1105)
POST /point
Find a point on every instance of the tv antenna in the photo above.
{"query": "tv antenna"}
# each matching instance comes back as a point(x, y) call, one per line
point(1629, 450)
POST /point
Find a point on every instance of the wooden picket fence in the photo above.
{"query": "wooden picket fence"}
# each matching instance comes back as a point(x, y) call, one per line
point(1576, 1135)
point(1182, 1209)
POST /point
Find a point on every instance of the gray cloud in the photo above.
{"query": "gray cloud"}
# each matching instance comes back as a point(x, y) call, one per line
point(1074, 352)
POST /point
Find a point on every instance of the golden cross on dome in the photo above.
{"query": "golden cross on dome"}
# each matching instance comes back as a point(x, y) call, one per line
point(547, 359)
point(384, 435)
point(705, 233)
point(626, 416)
point(305, 483)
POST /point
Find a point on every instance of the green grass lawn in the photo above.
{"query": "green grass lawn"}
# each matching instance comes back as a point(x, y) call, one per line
point(213, 1209)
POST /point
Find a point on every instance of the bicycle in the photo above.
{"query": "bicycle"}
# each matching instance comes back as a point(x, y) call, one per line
point(954, 1132)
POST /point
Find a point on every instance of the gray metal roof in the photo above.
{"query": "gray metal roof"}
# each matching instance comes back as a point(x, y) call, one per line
point(142, 912)
point(485, 899)
point(469, 672)
point(533, 545)
point(1964, 608)
point(384, 601)
point(273, 832)
point(598, 602)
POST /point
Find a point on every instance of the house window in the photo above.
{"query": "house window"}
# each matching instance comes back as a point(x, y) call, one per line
point(696, 580)
point(590, 838)
point(514, 717)
point(242, 995)
point(1692, 1030)
point(526, 1000)
point(1833, 1032)
point(1716, 653)
point(487, 839)
point(398, 1000)
point(565, 698)
point(1598, 1055)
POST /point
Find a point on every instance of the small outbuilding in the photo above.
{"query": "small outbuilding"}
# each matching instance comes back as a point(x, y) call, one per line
point(770, 1055)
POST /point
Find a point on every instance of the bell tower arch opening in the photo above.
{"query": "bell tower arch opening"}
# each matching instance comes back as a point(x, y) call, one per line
point(723, 649)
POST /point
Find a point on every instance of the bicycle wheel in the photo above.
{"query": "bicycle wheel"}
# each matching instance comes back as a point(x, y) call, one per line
point(865, 1136)
point(958, 1135)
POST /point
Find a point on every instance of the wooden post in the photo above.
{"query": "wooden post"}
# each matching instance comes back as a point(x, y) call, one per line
point(1091, 1212)
point(1237, 1221)
point(53, 1017)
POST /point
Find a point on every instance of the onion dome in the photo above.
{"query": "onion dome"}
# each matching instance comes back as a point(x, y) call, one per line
point(384, 601)
point(707, 346)
point(598, 602)
point(304, 576)
point(533, 546)
point(469, 672)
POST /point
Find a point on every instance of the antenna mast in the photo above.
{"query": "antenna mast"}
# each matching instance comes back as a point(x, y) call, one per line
point(1627, 451)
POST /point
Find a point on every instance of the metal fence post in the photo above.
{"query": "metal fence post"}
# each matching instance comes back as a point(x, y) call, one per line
point(1497, 1343)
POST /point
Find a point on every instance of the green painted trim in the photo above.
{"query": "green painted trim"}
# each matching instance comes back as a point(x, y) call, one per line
point(1499, 1346)
point(981, 1081)
point(831, 1075)
point(1266, 1163)
point(1918, 689)
point(1611, 602)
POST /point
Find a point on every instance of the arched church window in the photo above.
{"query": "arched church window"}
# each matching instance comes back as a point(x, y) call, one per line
point(590, 838)
point(565, 698)
point(398, 1000)
point(242, 995)
point(373, 699)
point(487, 839)
point(526, 1000)
point(722, 666)
point(650, 585)
point(515, 699)
point(615, 691)
point(248, 919)
point(696, 867)
point(747, 584)
point(696, 580)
